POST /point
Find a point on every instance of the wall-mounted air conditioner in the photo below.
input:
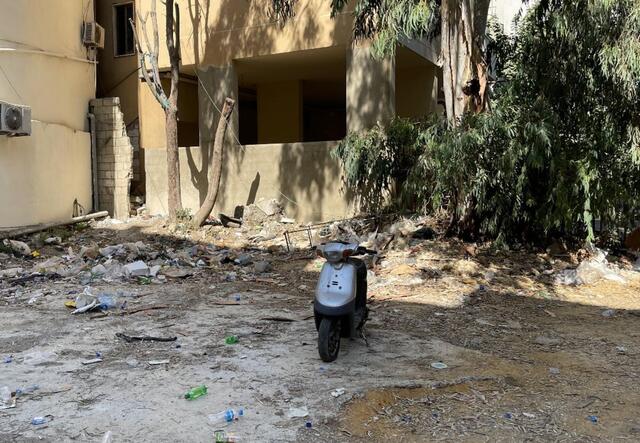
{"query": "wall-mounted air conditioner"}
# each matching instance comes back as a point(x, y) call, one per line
point(93, 35)
point(15, 119)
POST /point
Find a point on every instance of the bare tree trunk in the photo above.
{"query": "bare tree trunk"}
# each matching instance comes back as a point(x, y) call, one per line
point(171, 112)
point(148, 59)
point(215, 166)
point(464, 70)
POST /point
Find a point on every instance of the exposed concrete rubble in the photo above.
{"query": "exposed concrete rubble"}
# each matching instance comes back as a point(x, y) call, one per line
point(456, 331)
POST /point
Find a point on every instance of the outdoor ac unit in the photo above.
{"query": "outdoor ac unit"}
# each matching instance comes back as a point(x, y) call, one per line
point(15, 119)
point(93, 35)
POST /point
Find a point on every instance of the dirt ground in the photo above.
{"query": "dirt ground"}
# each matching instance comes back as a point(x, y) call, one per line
point(526, 360)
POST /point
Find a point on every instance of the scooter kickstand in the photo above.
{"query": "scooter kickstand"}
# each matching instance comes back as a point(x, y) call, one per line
point(364, 337)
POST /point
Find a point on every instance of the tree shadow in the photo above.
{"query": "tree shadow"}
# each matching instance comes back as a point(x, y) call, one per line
point(225, 33)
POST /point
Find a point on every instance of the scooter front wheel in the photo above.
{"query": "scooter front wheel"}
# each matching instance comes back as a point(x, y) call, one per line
point(329, 339)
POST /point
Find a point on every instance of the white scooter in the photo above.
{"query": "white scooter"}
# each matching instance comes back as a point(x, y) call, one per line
point(340, 305)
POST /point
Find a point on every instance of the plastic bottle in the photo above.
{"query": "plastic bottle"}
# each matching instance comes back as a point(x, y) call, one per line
point(5, 395)
point(26, 390)
point(38, 421)
point(196, 392)
point(226, 416)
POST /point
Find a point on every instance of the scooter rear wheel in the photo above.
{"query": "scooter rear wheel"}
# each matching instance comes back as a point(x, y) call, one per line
point(329, 339)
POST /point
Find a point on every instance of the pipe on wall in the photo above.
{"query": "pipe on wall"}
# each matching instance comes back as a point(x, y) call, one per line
point(94, 161)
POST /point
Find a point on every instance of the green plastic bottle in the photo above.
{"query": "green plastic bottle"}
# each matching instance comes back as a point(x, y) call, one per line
point(196, 392)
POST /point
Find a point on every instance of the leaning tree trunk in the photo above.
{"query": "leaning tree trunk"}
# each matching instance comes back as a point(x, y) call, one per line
point(171, 112)
point(464, 70)
point(215, 166)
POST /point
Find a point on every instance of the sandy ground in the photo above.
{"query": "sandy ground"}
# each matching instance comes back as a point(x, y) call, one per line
point(526, 360)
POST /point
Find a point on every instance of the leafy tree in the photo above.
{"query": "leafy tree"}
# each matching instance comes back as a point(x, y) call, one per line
point(560, 147)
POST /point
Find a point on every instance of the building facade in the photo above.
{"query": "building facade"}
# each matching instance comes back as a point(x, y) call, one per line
point(298, 88)
point(46, 176)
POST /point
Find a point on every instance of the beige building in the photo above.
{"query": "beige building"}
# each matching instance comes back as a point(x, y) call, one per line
point(45, 65)
point(298, 88)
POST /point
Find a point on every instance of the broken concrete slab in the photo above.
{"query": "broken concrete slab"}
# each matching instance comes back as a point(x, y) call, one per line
point(262, 266)
point(137, 269)
point(18, 247)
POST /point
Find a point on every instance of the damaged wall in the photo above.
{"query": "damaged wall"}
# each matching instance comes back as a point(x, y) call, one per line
point(115, 157)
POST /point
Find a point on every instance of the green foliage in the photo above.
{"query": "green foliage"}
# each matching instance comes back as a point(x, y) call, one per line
point(184, 215)
point(385, 22)
point(376, 160)
point(559, 148)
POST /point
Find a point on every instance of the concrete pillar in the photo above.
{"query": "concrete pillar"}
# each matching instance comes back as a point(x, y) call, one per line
point(280, 112)
point(216, 84)
point(115, 157)
point(370, 88)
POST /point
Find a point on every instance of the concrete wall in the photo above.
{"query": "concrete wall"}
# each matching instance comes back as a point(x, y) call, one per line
point(304, 172)
point(371, 95)
point(215, 32)
point(228, 42)
point(117, 75)
point(42, 175)
point(45, 66)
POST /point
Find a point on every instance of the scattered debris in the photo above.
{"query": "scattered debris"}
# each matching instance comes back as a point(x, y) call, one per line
point(547, 341)
point(53, 241)
point(7, 401)
point(137, 269)
point(37, 421)
point(338, 392)
point(177, 273)
point(158, 362)
point(262, 266)
point(92, 361)
point(590, 271)
point(608, 313)
point(132, 338)
point(300, 412)
point(231, 339)
point(10, 273)
point(17, 247)
point(439, 365)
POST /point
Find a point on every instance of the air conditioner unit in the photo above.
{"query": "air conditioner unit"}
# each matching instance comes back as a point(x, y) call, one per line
point(15, 119)
point(93, 35)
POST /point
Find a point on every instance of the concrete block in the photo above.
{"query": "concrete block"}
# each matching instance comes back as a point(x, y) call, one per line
point(110, 100)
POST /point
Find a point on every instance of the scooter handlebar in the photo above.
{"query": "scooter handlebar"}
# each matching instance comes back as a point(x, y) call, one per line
point(362, 250)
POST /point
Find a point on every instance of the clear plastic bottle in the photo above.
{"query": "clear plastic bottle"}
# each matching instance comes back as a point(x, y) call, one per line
point(5, 395)
point(226, 416)
point(38, 421)
point(26, 390)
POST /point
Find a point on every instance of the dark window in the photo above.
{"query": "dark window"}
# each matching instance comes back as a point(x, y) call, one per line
point(123, 34)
